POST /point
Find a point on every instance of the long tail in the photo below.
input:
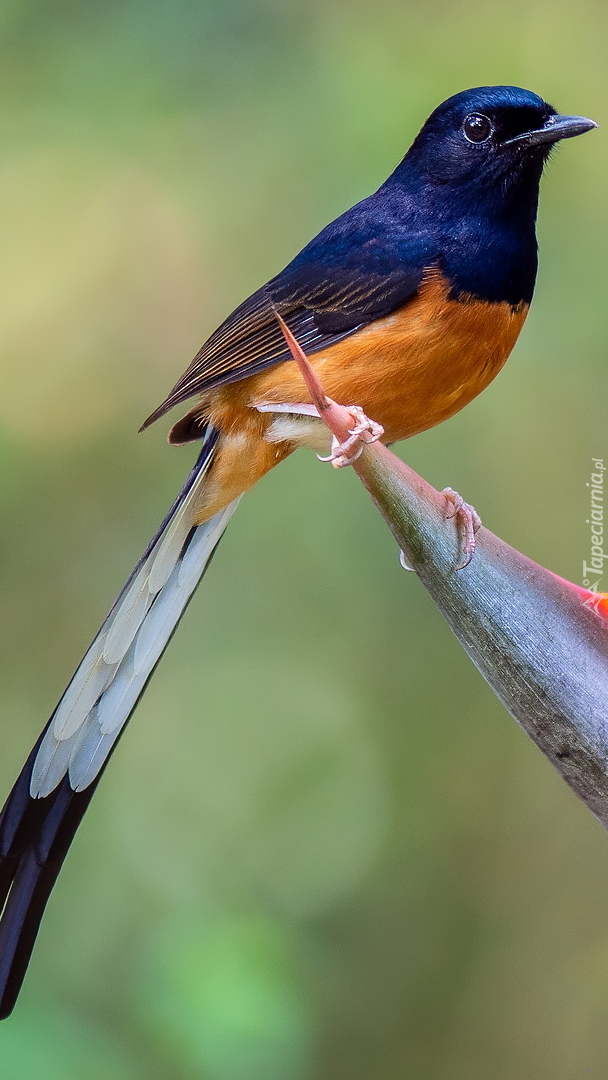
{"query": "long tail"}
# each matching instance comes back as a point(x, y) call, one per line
point(46, 805)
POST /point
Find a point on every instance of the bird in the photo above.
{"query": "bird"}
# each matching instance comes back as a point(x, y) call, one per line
point(408, 304)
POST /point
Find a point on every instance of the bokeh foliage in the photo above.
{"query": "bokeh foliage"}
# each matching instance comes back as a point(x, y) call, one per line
point(323, 850)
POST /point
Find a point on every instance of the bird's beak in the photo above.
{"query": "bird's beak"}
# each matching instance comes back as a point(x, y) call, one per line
point(554, 128)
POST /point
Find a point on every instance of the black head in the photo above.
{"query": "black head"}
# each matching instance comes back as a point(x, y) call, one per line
point(472, 177)
point(493, 135)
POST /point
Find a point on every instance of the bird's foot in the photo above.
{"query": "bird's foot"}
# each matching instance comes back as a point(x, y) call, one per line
point(347, 442)
point(347, 451)
point(470, 519)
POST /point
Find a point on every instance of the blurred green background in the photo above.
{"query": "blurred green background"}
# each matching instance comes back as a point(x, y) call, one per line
point(323, 850)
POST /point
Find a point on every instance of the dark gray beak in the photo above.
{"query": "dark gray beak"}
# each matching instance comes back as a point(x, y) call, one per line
point(554, 128)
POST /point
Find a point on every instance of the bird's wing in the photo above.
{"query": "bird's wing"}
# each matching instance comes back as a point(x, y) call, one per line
point(353, 272)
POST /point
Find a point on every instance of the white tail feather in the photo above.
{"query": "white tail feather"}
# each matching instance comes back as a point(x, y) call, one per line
point(169, 549)
point(114, 671)
point(128, 618)
point(168, 603)
point(119, 698)
point(90, 680)
point(52, 759)
point(90, 754)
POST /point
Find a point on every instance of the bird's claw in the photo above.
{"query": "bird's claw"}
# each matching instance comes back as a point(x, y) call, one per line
point(470, 519)
point(403, 563)
point(365, 431)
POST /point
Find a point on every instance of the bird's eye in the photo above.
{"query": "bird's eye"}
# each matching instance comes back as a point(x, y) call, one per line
point(477, 128)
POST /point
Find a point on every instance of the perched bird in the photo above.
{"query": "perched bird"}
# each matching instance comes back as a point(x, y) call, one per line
point(408, 305)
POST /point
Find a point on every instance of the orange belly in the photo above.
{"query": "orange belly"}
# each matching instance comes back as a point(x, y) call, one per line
point(408, 371)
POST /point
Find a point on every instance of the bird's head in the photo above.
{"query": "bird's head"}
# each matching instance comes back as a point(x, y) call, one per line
point(492, 136)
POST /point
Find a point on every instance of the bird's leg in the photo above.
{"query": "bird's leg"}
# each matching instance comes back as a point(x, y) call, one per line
point(350, 427)
point(346, 450)
point(470, 519)
point(351, 439)
point(348, 442)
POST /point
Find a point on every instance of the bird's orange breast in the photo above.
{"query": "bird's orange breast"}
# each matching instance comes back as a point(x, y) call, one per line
point(413, 368)
point(408, 371)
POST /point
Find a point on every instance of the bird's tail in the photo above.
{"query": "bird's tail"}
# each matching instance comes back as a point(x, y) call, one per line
point(47, 803)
